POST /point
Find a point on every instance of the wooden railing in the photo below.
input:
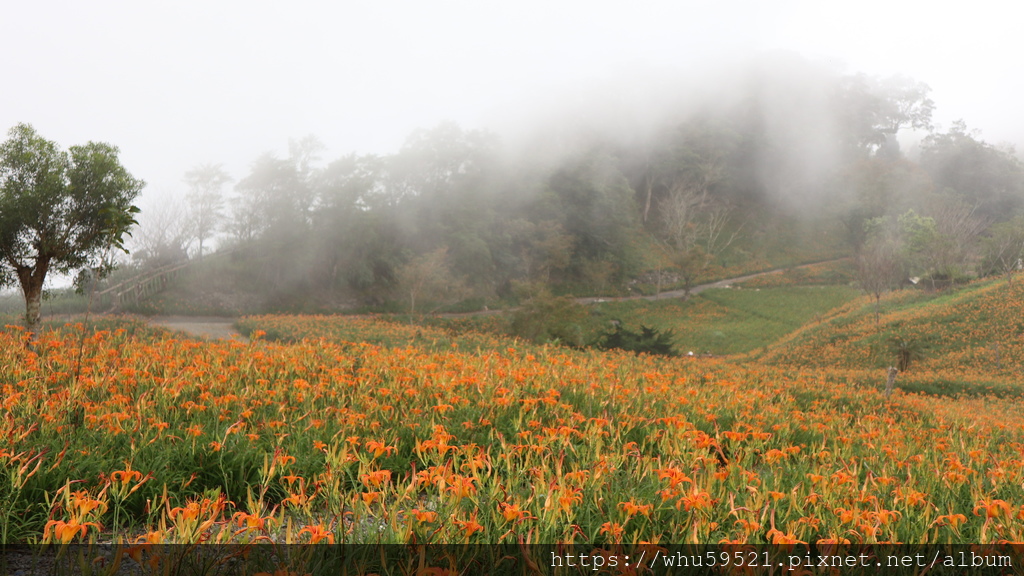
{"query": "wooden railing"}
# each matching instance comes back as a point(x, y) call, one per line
point(146, 284)
point(139, 287)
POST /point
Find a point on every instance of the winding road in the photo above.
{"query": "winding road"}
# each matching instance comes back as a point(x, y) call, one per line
point(660, 296)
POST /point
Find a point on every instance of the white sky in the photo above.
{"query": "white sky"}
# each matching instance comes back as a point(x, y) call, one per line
point(177, 84)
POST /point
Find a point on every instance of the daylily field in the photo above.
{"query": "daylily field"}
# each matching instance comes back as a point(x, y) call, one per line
point(123, 432)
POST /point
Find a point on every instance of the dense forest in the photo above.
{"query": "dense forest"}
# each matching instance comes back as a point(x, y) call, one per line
point(793, 158)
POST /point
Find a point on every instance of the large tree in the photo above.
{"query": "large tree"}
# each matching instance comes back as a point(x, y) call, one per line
point(59, 210)
point(206, 200)
point(429, 277)
point(1004, 248)
point(983, 175)
point(870, 112)
point(164, 234)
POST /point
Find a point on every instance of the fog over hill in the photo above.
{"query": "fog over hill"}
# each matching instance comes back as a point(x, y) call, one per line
point(512, 138)
point(180, 85)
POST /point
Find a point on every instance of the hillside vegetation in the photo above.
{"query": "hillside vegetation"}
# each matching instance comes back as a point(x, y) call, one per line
point(969, 337)
point(458, 219)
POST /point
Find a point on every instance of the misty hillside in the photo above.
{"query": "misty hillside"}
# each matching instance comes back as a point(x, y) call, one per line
point(795, 163)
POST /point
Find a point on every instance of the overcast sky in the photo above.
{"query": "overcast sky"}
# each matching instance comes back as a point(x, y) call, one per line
point(177, 84)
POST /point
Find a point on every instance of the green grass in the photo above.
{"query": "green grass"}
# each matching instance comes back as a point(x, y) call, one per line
point(719, 321)
point(727, 320)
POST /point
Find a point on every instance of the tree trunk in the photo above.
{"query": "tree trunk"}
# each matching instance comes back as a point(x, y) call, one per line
point(647, 203)
point(31, 280)
point(890, 380)
point(33, 308)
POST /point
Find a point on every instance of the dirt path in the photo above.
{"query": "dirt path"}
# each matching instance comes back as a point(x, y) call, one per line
point(209, 327)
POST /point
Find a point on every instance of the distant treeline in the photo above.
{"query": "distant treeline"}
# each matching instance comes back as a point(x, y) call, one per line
point(457, 214)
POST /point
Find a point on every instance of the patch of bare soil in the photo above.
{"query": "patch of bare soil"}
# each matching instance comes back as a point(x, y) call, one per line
point(208, 327)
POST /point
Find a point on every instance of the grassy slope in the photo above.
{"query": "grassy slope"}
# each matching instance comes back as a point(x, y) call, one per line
point(728, 321)
point(963, 340)
point(720, 321)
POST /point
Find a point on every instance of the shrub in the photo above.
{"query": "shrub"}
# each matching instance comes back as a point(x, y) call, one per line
point(907, 350)
point(647, 340)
